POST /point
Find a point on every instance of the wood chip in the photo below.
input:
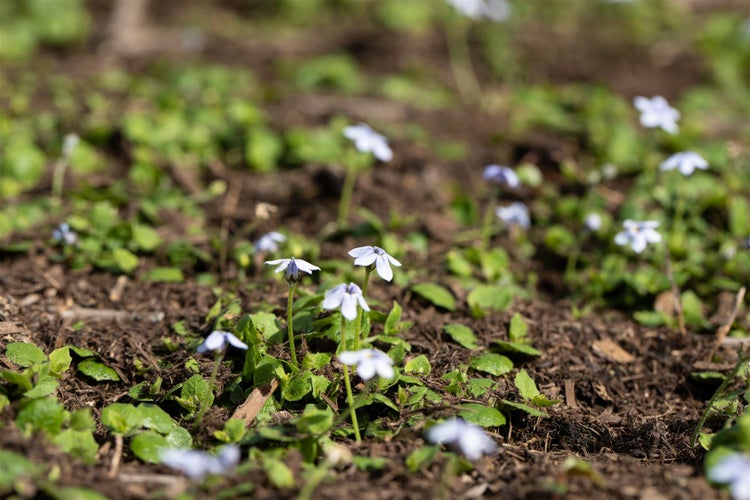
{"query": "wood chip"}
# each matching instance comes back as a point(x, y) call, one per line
point(570, 393)
point(248, 410)
point(612, 351)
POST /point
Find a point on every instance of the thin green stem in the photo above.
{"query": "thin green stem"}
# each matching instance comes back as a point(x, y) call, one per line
point(460, 61)
point(742, 359)
point(218, 358)
point(487, 224)
point(360, 311)
point(350, 401)
point(290, 323)
point(343, 344)
point(347, 191)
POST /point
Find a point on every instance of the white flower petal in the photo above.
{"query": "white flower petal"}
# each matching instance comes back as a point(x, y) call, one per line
point(446, 432)
point(235, 341)
point(365, 260)
point(384, 268)
point(385, 370)
point(216, 341)
point(366, 370)
point(361, 251)
point(349, 306)
point(622, 238)
point(333, 297)
point(638, 244)
point(305, 266)
point(361, 301)
point(393, 261)
point(350, 357)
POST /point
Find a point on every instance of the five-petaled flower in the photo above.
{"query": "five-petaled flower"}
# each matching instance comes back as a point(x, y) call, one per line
point(197, 464)
point(515, 214)
point(471, 440)
point(733, 470)
point(501, 175)
point(217, 341)
point(369, 255)
point(638, 234)
point(347, 297)
point(292, 268)
point(369, 362)
point(269, 242)
point(367, 140)
point(495, 10)
point(656, 112)
point(65, 235)
point(685, 162)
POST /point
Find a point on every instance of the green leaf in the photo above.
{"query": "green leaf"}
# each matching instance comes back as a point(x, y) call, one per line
point(534, 412)
point(489, 297)
point(739, 216)
point(421, 457)
point(692, 308)
point(389, 328)
point(419, 365)
point(97, 370)
point(481, 415)
point(518, 328)
point(45, 414)
point(78, 443)
point(59, 360)
point(153, 417)
point(24, 354)
point(121, 418)
point(145, 237)
point(526, 385)
point(494, 364)
point(126, 261)
point(297, 386)
point(148, 446)
point(77, 494)
point(234, 430)
point(23, 380)
point(369, 463)
point(279, 474)
point(515, 347)
point(13, 467)
point(268, 326)
point(164, 275)
point(437, 294)
point(195, 393)
point(81, 352)
point(478, 387)
point(462, 335)
point(44, 387)
point(315, 421)
point(316, 360)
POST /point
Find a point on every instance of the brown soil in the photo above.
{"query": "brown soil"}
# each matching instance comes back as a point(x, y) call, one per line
point(629, 416)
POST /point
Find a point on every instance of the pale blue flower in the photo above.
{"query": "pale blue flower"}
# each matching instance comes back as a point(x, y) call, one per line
point(638, 234)
point(469, 439)
point(494, 10)
point(685, 162)
point(70, 142)
point(515, 214)
point(369, 362)
point(269, 242)
point(292, 268)
point(657, 113)
point(64, 235)
point(197, 464)
point(218, 340)
point(593, 222)
point(733, 470)
point(369, 255)
point(347, 297)
point(501, 175)
point(366, 140)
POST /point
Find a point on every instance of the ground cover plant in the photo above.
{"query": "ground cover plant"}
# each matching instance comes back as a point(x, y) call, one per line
point(393, 249)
